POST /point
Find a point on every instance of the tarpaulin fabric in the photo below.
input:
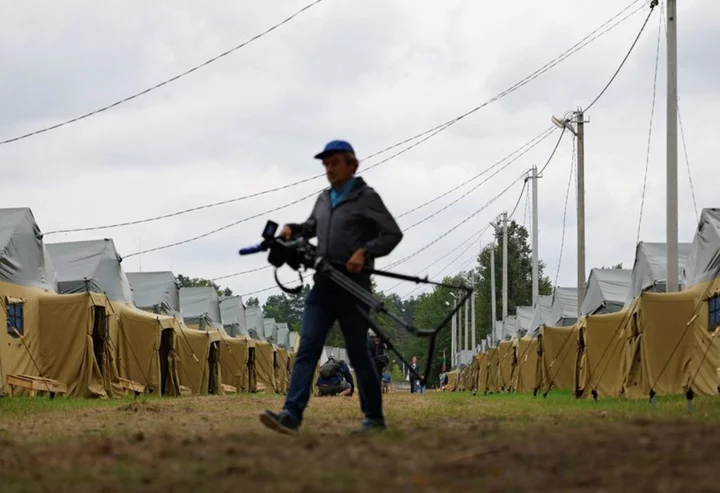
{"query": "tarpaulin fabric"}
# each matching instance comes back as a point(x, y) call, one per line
point(482, 383)
point(254, 322)
point(146, 348)
point(196, 303)
point(506, 365)
point(559, 349)
point(282, 362)
point(525, 377)
point(493, 374)
point(234, 354)
point(193, 351)
point(23, 257)
point(650, 268)
point(232, 312)
point(564, 307)
point(670, 346)
point(155, 291)
point(601, 352)
point(90, 266)
point(703, 263)
point(542, 314)
point(270, 330)
point(607, 291)
point(283, 335)
point(264, 365)
point(523, 319)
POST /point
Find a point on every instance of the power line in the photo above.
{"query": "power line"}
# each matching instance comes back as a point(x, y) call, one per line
point(163, 83)
point(427, 134)
point(650, 129)
point(687, 162)
point(522, 150)
point(567, 195)
point(427, 245)
point(522, 192)
point(552, 155)
point(241, 273)
point(476, 186)
point(653, 3)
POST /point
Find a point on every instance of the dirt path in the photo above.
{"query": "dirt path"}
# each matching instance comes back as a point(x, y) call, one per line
point(215, 444)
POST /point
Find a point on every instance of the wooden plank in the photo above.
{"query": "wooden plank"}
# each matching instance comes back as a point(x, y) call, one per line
point(132, 386)
point(229, 389)
point(36, 384)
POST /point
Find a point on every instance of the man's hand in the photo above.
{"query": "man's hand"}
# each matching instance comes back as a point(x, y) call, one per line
point(356, 262)
point(286, 233)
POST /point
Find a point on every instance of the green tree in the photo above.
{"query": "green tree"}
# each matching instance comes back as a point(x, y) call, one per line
point(287, 308)
point(519, 276)
point(252, 301)
point(616, 266)
point(199, 282)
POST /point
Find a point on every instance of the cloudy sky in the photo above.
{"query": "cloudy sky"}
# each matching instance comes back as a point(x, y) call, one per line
point(375, 73)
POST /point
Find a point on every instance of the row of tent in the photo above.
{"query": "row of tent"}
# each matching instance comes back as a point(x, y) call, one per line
point(73, 315)
point(632, 337)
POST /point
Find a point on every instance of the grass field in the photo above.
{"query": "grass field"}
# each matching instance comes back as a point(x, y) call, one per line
point(437, 442)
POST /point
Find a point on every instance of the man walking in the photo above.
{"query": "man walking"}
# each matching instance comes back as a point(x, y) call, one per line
point(353, 227)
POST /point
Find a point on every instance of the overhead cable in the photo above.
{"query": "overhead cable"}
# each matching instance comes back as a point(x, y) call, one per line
point(160, 84)
point(603, 29)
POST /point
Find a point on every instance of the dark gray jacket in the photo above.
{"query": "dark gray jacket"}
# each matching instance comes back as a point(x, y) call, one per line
point(359, 220)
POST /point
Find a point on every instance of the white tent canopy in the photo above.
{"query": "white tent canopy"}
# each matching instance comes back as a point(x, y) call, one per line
point(254, 322)
point(232, 312)
point(650, 268)
point(155, 291)
point(703, 263)
point(283, 336)
point(542, 314)
point(270, 329)
point(198, 303)
point(24, 259)
point(523, 319)
point(564, 306)
point(606, 292)
point(93, 265)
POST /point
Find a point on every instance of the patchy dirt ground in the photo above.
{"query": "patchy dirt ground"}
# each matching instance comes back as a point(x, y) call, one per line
point(438, 442)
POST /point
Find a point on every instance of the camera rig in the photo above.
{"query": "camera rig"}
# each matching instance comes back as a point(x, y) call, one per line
point(299, 254)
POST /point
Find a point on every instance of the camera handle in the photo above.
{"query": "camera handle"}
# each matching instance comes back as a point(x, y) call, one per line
point(293, 291)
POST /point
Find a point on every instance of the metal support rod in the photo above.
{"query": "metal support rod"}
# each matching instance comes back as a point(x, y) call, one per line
point(466, 346)
point(493, 298)
point(473, 327)
point(580, 126)
point(505, 271)
point(535, 254)
point(453, 338)
point(672, 149)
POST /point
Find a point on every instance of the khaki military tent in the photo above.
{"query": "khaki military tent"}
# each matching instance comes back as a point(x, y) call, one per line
point(143, 343)
point(506, 365)
point(482, 383)
point(232, 312)
point(265, 365)
point(558, 350)
point(526, 370)
point(236, 362)
point(600, 354)
point(493, 384)
point(606, 291)
point(46, 335)
point(156, 292)
point(670, 344)
point(282, 374)
point(198, 359)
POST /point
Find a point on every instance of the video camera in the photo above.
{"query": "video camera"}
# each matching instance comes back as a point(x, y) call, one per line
point(300, 253)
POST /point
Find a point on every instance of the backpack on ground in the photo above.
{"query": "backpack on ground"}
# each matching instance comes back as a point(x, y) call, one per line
point(329, 368)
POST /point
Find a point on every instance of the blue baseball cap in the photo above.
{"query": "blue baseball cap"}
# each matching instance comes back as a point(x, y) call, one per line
point(333, 147)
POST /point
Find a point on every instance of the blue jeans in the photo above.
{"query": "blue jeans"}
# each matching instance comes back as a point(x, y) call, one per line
point(322, 308)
